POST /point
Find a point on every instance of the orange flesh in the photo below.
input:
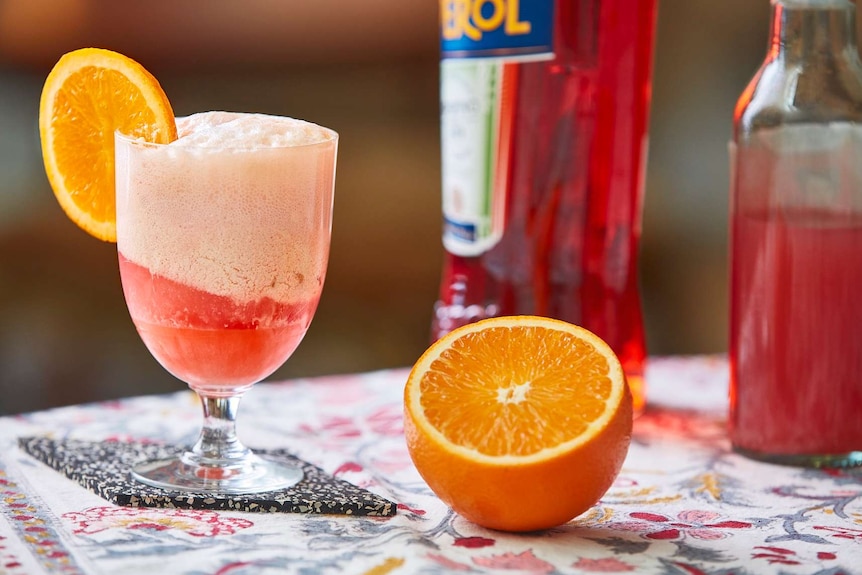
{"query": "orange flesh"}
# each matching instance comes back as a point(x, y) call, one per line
point(89, 95)
point(484, 397)
point(85, 117)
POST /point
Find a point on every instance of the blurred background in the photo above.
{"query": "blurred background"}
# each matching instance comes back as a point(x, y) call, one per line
point(369, 70)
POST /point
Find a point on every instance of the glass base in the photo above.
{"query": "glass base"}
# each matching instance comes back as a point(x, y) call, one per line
point(832, 460)
point(252, 474)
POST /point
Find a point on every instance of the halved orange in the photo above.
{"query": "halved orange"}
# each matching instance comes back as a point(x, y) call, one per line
point(88, 95)
point(518, 423)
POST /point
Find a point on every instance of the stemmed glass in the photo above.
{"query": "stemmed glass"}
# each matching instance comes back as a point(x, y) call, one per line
point(223, 247)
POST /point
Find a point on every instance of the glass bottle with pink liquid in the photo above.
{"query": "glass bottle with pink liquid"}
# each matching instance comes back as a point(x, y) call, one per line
point(796, 243)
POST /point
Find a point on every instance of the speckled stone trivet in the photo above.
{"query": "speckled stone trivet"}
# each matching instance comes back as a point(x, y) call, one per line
point(103, 468)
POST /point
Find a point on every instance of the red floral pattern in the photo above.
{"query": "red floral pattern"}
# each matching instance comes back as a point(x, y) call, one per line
point(26, 516)
point(604, 565)
point(694, 523)
point(194, 522)
point(524, 561)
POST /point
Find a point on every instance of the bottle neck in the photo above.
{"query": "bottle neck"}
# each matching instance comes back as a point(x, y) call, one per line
point(812, 30)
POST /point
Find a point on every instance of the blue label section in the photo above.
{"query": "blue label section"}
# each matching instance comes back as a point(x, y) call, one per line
point(496, 28)
point(464, 231)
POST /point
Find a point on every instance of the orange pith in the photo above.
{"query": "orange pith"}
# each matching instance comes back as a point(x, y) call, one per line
point(518, 423)
point(90, 94)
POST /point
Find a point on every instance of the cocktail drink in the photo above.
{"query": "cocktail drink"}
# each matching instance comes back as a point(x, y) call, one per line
point(223, 239)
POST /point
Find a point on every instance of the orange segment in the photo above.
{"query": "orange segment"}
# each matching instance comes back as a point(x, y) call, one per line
point(88, 95)
point(518, 423)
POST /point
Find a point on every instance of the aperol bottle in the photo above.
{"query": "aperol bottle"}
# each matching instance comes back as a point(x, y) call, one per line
point(544, 114)
point(796, 243)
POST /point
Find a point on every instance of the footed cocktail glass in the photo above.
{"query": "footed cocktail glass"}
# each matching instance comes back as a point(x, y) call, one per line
point(223, 240)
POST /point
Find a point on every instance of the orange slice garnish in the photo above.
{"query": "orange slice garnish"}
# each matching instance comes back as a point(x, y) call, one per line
point(88, 95)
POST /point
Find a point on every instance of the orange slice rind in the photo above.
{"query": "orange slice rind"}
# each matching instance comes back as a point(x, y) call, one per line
point(89, 95)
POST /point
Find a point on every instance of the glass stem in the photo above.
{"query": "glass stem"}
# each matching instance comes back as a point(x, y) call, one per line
point(218, 443)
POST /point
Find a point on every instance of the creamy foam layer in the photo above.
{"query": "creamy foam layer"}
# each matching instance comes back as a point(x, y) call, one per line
point(230, 129)
point(239, 205)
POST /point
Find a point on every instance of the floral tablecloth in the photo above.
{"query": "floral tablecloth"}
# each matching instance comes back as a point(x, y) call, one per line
point(682, 504)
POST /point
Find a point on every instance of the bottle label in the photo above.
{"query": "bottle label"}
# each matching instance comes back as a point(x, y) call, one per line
point(476, 118)
point(512, 29)
point(481, 43)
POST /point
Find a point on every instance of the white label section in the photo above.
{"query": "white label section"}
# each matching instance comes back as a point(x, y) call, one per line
point(473, 199)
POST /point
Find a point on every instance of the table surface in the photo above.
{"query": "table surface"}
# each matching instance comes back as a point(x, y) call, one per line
point(683, 502)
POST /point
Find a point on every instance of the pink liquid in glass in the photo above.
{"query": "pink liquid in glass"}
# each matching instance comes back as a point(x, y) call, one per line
point(208, 340)
point(223, 240)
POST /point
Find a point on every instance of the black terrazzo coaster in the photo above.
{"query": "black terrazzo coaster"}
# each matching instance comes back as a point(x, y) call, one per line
point(103, 468)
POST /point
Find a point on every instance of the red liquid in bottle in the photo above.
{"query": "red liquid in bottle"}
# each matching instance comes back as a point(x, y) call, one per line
point(577, 154)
